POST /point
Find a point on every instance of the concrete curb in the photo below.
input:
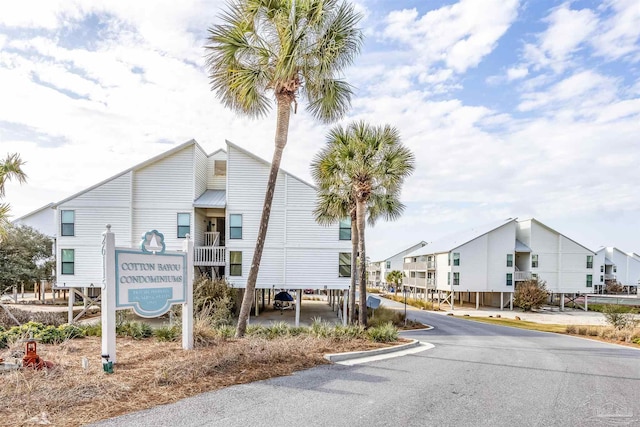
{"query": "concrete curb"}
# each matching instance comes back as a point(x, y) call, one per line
point(339, 357)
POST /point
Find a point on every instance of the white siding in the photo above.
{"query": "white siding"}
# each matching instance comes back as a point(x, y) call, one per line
point(161, 191)
point(215, 182)
point(107, 204)
point(298, 252)
point(200, 172)
point(442, 270)
point(42, 220)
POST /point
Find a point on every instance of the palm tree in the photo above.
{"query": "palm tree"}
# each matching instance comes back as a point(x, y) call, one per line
point(336, 201)
point(372, 163)
point(286, 49)
point(394, 277)
point(10, 168)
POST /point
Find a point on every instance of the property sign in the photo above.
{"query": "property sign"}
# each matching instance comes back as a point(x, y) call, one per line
point(149, 280)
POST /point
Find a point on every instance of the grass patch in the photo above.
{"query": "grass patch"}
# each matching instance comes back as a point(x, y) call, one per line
point(418, 303)
point(522, 324)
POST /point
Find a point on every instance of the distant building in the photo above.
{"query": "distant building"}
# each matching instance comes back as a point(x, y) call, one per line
point(617, 266)
point(485, 264)
point(378, 270)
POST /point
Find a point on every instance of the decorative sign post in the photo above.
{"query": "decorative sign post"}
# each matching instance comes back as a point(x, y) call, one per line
point(149, 280)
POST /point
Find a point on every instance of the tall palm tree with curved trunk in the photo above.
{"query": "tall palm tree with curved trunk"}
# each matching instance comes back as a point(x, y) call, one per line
point(267, 51)
point(10, 168)
point(369, 163)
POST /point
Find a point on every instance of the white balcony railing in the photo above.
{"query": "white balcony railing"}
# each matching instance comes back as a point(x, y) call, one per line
point(519, 276)
point(209, 256)
point(211, 238)
point(609, 276)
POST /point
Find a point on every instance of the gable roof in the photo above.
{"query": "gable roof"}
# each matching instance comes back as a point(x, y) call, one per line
point(410, 248)
point(453, 241)
point(47, 206)
point(557, 232)
point(267, 163)
point(136, 167)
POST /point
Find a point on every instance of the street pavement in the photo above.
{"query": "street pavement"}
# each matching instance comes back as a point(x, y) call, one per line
point(475, 375)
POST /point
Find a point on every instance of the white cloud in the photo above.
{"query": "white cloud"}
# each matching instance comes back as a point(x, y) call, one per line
point(620, 33)
point(568, 29)
point(516, 73)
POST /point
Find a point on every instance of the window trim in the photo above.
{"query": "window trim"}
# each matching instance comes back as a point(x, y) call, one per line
point(589, 280)
point(534, 263)
point(387, 265)
point(178, 226)
point(456, 278)
point(344, 226)
point(344, 266)
point(509, 279)
point(63, 262)
point(235, 227)
point(231, 264)
point(589, 261)
point(456, 259)
point(217, 168)
point(62, 223)
point(509, 260)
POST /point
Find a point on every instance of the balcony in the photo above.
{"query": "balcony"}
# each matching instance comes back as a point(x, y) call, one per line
point(209, 256)
point(420, 265)
point(520, 276)
point(609, 276)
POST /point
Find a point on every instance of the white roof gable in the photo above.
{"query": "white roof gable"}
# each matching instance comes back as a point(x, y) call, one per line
point(452, 241)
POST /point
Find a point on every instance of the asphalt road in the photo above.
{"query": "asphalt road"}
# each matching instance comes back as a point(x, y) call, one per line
point(476, 375)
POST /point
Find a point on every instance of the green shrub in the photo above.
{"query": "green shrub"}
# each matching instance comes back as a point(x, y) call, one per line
point(167, 333)
point(226, 332)
point(385, 315)
point(71, 331)
point(383, 333)
point(92, 330)
point(215, 297)
point(50, 335)
point(3, 340)
point(134, 329)
point(320, 328)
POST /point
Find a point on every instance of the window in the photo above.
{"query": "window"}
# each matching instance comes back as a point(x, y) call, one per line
point(184, 224)
point(534, 276)
point(344, 264)
point(456, 258)
point(615, 269)
point(413, 274)
point(509, 279)
point(67, 226)
point(449, 278)
point(68, 261)
point(589, 280)
point(345, 229)
point(602, 269)
point(235, 263)
point(601, 278)
point(589, 261)
point(235, 226)
point(534, 261)
point(220, 167)
point(456, 279)
point(388, 265)
point(509, 260)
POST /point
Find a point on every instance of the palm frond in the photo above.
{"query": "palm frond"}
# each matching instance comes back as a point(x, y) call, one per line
point(11, 168)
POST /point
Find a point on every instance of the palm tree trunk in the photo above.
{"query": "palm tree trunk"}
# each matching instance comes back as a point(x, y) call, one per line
point(354, 268)
point(282, 130)
point(360, 212)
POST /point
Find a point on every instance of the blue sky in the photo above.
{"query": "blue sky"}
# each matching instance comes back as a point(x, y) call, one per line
point(514, 108)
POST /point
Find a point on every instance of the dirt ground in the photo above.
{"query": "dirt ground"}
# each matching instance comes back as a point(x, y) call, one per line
point(148, 373)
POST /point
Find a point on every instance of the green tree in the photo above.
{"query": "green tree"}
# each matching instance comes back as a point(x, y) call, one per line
point(395, 277)
point(26, 257)
point(10, 168)
point(530, 294)
point(282, 50)
point(373, 163)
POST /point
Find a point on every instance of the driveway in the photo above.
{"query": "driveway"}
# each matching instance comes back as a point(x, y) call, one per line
point(476, 375)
